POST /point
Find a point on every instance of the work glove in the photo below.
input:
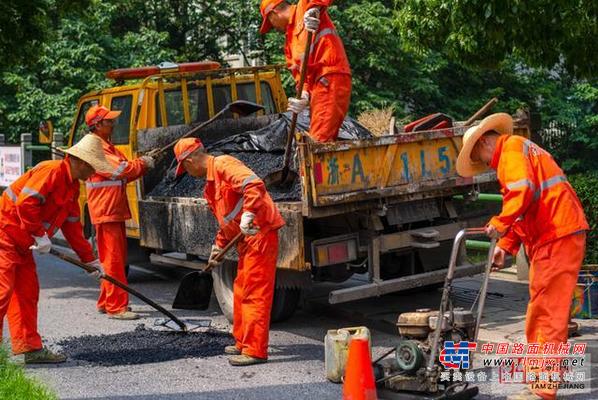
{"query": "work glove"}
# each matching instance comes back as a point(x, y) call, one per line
point(246, 224)
point(311, 20)
point(99, 269)
point(149, 162)
point(43, 244)
point(298, 105)
point(498, 259)
point(212, 262)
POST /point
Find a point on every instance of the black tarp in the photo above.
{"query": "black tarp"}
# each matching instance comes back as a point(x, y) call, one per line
point(262, 150)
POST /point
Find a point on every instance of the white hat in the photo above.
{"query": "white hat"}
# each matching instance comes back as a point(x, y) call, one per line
point(500, 122)
point(90, 150)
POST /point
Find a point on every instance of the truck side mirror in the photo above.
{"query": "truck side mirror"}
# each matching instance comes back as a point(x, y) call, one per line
point(46, 132)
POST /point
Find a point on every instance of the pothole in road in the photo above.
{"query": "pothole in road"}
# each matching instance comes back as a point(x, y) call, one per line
point(144, 346)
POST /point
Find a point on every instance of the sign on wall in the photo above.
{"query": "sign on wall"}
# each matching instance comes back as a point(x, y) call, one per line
point(10, 164)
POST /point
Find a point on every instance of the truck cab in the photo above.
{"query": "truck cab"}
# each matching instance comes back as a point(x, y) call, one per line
point(171, 94)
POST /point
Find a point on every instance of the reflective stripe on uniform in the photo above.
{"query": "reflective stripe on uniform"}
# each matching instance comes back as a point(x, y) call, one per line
point(72, 219)
point(101, 184)
point(230, 216)
point(520, 183)
point(548, 183)
point(526, 144)
point(34, 193)
point(320, 35)
point(11, 194)
point(247, 180)
point(237, 209)
point(119, 170)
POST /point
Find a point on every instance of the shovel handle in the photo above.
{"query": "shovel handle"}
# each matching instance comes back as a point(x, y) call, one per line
point(302, 77)
point(482, 111)
point(228, 246)
point(89, 269)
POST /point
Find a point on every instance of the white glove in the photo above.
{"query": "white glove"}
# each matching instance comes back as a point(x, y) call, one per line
point(99, 269)
point(311, 19)
point(246, 224)
point(298, 105)
point(149, 162)
point(43, 244)
point(212, 263)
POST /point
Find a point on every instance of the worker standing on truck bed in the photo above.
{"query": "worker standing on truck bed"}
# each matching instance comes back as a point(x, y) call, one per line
point(32, 209)
point(540, 209)
point(109, 209)
point(327, 87)
point(239, 201)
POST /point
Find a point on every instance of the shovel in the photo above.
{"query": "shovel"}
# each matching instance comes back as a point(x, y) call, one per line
point(195, 289)
point(241, 107)
point(180, 325)
point(285, 177)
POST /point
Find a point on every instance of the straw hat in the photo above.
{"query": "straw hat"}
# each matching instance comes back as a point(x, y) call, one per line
point(500, 122)
point(90, 150)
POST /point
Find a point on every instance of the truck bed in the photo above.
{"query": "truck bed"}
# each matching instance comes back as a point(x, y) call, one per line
point(339, 176)
point(186, 225)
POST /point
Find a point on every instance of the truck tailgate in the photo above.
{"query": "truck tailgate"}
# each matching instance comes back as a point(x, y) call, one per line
point(387, 166)
point(186, 225)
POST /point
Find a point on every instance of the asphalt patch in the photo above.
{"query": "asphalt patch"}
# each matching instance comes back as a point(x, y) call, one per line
point(145, 346)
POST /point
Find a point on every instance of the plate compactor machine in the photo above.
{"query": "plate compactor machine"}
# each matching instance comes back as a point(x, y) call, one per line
point(412, 370)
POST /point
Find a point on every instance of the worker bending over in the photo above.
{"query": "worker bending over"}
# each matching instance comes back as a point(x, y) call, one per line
point(540, 209)
point(327, 88)
point(32, 210)
point(109, 209)
point(239, 201)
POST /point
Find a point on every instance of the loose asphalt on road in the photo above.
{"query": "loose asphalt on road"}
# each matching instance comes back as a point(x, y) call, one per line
point(295, 370)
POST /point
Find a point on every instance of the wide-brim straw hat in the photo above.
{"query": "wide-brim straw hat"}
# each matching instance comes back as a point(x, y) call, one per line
point(90, 150)
point(501, 123)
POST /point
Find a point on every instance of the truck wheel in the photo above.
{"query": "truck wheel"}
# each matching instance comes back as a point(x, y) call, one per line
point(283, 306)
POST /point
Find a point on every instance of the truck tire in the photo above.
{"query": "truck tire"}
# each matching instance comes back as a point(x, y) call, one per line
point(284, 304)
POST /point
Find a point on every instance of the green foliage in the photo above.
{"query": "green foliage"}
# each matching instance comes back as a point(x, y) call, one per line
point(393, 47)
point(483, 33)
point(24, 24)
point(15, 385)
point(586, 186)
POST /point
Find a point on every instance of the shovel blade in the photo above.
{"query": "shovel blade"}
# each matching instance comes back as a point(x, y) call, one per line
point(280, 179)
point(194, 291)
point(244, 107)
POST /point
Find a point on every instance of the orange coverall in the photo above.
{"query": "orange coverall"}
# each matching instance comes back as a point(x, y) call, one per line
point(109, 209)
point(541, 209)
point(231, 189)
point(328, 78)
point(42, 200)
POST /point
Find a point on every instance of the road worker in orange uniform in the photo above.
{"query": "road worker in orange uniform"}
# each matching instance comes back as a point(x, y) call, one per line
point(541, 210)
point(109, 209)
point(327, 90)
point(32, 210)
point(239, 201)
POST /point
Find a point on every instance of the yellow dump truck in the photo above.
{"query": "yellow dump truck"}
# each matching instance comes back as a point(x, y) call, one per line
point(382, 208)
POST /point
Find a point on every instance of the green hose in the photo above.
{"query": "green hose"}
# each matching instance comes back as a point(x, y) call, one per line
point(477, 245)
point(483, 197)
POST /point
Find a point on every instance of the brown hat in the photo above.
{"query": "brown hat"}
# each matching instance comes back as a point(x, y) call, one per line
point(90, 150)
point(500, 122)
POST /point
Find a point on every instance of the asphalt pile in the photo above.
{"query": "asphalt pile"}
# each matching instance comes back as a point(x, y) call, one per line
point(259, 162)
point(144, 346)
point(258, 142)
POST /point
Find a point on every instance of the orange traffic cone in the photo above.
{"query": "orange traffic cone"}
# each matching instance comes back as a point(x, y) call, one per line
point(359, 381)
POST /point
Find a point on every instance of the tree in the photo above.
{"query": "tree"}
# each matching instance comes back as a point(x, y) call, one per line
point(544, 33)
point(24, 25)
